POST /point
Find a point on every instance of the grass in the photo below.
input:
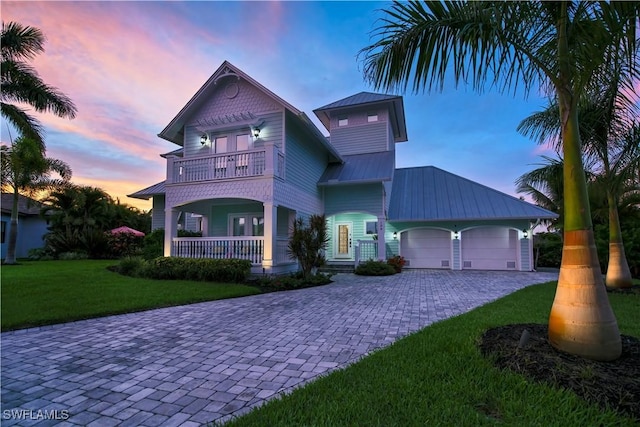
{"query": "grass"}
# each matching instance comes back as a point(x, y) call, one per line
point(37, 293)
point(438, 377)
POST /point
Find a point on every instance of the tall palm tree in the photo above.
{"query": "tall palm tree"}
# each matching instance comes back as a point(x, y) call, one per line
point(26, 170)
point(554, 46)
point(609, 134)
point(20, 82)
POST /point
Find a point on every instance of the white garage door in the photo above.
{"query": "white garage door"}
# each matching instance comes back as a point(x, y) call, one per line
point(426, 248)
point(490, 248)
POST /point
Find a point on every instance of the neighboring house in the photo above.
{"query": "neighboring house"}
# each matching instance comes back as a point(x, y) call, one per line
point(250, 163)
point(31, 226)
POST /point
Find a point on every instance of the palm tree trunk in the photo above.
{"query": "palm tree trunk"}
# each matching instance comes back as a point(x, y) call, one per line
point(618, 273)
point(13, 232)
point(581, 321)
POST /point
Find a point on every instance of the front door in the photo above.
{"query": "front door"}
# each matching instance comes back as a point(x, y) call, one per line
point(343, 244)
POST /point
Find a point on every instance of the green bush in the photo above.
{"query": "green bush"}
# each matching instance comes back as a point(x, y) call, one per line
point(547, 249)
point(212, 270)
point(375, 268)
point(153, 244)
point(70, 256)
point(133, 266)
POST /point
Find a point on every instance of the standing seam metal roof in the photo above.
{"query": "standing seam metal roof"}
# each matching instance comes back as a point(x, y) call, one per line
point(369, 167)
point(431, 194)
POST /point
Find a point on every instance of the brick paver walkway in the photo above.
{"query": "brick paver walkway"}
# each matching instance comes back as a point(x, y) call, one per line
point(189, 365)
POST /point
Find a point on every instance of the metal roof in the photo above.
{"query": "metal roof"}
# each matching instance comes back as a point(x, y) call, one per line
point(431, 194)
point(358, 99)
point(147, 193)
point(360, 168)
point(396, 110)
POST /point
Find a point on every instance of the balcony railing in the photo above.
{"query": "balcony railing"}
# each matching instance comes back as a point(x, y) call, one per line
point(267, 161)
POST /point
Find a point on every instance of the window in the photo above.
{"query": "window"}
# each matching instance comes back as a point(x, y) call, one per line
point(372, 117)
point(220, 144)
point(247, 225)
point(3, 231)
point(242, 142)
point(343, 121)
point(371, 227)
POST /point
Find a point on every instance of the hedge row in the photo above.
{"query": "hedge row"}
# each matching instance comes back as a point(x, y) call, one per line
point(174, 268)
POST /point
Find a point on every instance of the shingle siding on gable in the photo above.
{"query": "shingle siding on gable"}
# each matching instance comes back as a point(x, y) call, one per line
point(248, 98)
point(358, 139)
point(353, 198)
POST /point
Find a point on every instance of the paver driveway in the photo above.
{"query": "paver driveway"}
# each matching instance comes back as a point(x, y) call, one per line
point(188, 365)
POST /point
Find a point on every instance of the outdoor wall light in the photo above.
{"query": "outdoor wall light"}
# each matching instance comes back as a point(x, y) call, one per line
point(203, 139)
point(395, 235)
point(455, 235)
point(256, 132)
point(526, 233)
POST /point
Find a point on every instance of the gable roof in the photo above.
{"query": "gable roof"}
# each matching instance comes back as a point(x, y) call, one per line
point(146, 193)
point(360, 169)
point(26, 205)
point(174, 131)
point(432, 194)
point(395, 103)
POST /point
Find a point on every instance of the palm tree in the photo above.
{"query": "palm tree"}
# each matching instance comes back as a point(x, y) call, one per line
point(609, 134)
point(21, 83)
point(26, 170)
point(556, 47)
point(544, 185)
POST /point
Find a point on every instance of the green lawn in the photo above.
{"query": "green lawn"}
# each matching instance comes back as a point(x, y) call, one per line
point(38, 293)
point(437, 377)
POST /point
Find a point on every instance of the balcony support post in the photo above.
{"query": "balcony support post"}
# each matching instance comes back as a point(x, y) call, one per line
point(270, 233)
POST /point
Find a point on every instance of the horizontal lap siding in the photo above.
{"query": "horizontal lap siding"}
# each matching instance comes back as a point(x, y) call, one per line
point(305, 161)
point(157, 212)
point(367, 138)
point(354, 198)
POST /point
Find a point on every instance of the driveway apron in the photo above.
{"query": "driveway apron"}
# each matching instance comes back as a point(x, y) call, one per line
point(193, 364)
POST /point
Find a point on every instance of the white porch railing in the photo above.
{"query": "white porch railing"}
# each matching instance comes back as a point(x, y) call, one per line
point(366, 250)
point(251, 248)
point(260, 162)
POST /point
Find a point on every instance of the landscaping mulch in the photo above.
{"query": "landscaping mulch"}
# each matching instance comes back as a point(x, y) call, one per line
point(609, 384)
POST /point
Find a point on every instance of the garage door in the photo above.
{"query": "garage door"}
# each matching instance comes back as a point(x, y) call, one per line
point(489, 249)
point(426, 248)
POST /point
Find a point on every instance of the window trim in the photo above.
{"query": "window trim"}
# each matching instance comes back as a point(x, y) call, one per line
point(343, 121)
point(366, 231)
point(372, 117)
point(248, 223)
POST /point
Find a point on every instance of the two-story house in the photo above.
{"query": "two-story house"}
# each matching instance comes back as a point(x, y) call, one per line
point(249, 163)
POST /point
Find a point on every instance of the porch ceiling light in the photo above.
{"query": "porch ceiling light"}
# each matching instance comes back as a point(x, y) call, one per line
point(256, 132)
point(203, 139)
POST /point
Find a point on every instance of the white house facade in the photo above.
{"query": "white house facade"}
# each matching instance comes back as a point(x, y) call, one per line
point(249, 163)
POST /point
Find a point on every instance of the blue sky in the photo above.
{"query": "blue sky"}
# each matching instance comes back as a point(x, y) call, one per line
point(131, 66)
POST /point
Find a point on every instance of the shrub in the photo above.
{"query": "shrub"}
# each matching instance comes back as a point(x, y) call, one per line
point(308, 243)
point(133, 266)
point(375, 268)
point(153, 244)
point(214, 270)
point(124, 244)
point(397, 262)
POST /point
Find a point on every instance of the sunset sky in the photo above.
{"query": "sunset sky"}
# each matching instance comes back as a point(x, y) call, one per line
point(131, 66)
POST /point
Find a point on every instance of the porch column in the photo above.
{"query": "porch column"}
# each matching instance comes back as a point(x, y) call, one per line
point(170, 229)
point(456, 251)
point(270, 235)
point(382, 239)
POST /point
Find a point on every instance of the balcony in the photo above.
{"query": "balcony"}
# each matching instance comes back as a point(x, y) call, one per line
point(264, 162)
